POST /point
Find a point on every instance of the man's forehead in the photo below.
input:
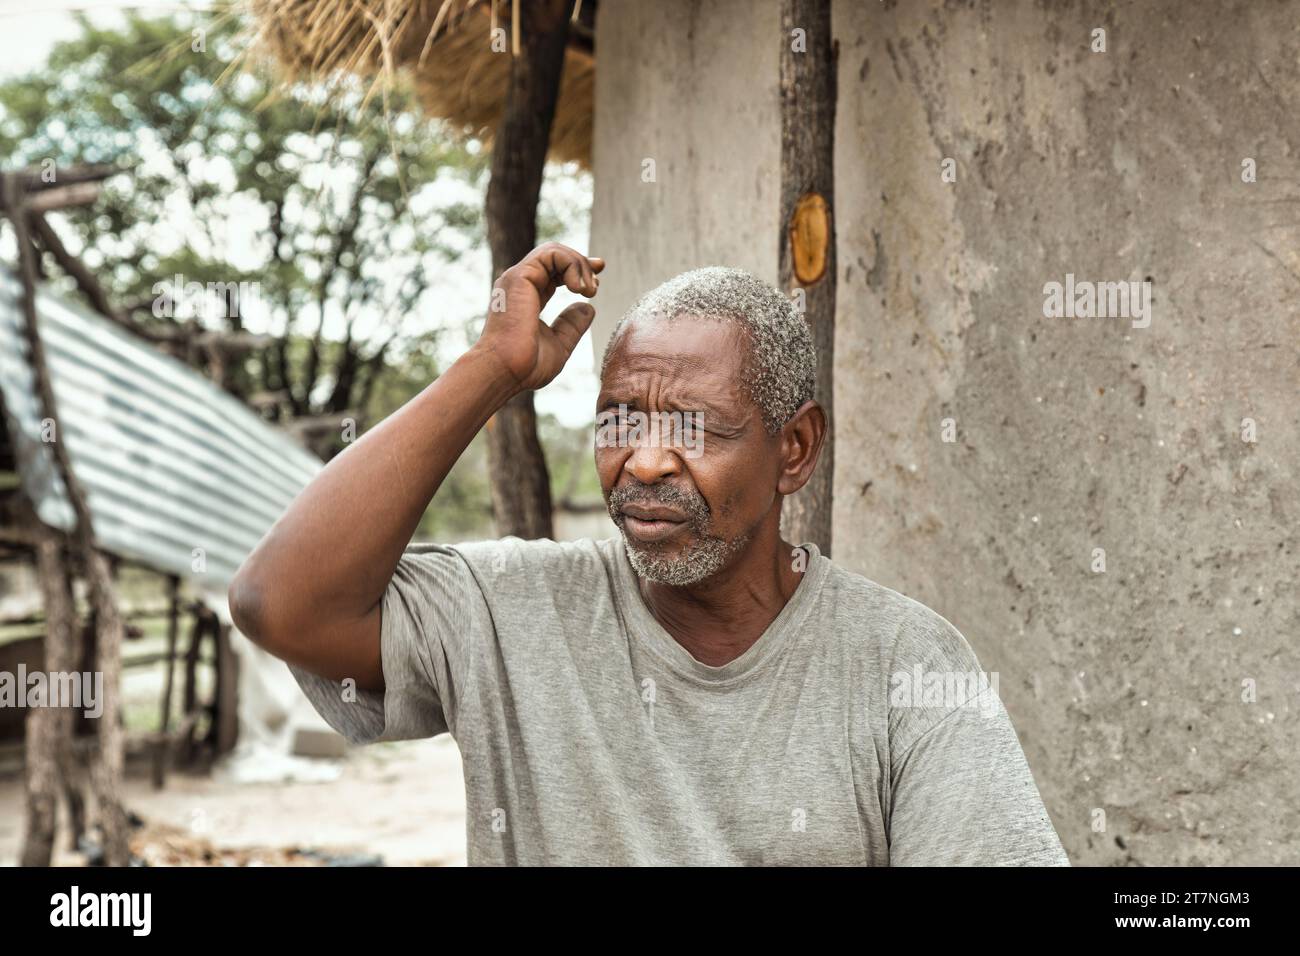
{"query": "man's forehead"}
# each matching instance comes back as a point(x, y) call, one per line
point(703, 355)
point(684, 338)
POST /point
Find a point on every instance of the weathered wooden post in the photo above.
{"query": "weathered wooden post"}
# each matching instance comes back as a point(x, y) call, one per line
point(106, 770)
point(807, 241)
point(49, 729)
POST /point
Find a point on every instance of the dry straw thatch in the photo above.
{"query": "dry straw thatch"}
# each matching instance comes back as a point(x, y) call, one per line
point(444, 45)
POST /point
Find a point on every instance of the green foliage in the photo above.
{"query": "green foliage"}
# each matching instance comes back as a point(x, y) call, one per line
point(345, 213)
point(328, 204)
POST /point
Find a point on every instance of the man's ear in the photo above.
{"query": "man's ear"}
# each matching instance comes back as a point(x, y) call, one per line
point(801, 445)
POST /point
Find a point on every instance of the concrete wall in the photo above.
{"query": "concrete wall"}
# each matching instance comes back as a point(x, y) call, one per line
point(691, 88)
point(1072, 434)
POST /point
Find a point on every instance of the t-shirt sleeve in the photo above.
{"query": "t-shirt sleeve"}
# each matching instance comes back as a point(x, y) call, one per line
point(963, 795)
point(433, 615)
point(961, 792)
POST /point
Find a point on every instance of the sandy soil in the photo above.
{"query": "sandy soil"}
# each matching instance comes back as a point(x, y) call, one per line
point(402, 801)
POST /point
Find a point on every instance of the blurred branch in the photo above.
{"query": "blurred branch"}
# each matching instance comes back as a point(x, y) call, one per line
point(34, 181)
point(62, 197)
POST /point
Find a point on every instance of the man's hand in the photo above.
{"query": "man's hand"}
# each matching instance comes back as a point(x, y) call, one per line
point(530, 351)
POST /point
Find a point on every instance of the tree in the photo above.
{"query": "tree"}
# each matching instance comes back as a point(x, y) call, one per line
point(521, 489)
point(335, 212)
point(334, 224)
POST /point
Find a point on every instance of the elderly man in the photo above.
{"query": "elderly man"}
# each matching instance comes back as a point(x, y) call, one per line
point(697, 691)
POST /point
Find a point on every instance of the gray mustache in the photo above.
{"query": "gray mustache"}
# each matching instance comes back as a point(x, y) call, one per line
point(697, 510)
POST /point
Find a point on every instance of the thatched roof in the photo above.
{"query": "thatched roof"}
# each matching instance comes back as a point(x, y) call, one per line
point(444, 45)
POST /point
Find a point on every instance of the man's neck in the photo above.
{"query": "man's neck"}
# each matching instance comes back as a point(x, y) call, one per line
point(719, 619)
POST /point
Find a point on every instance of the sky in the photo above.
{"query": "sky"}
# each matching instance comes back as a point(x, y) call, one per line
point(29, 28)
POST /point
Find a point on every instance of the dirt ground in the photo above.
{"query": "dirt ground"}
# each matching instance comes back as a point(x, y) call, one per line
point(404, 802)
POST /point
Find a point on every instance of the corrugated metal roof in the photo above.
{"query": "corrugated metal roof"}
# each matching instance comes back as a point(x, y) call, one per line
point(169, 461)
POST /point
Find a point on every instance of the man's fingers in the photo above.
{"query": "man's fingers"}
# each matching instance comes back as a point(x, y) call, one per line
point(574, 279)
point(568, 266)
point(570, 325)
point(578, 275)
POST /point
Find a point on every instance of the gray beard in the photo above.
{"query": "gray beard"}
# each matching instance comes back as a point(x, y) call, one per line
point(703, 559)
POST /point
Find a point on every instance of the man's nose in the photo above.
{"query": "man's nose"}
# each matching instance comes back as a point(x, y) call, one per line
point(651, 461)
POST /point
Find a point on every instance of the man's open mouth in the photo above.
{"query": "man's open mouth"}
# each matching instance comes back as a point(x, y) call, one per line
point(651, 523)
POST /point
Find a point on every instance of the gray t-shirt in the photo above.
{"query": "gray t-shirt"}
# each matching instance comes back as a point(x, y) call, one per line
point(590, 736)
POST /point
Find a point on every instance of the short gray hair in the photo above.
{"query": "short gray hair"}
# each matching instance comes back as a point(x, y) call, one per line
point(783, 358)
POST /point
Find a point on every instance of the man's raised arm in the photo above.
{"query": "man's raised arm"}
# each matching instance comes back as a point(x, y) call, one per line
point(312, 589)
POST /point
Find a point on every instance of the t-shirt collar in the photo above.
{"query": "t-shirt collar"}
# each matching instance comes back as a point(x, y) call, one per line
point(783, 630)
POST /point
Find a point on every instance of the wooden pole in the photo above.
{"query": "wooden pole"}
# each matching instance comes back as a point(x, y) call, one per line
point(173, 629)
point(106, 772)
point(807, 242)
point(162, 743)
point(190, 691)
point(49, 729)
point(225, 698)
point(521, 486)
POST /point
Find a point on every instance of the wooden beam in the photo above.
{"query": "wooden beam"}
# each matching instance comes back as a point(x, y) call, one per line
point(98, 296)
point(73, 194)
point(38, 180)
point(807, 240)
point(74, 267)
